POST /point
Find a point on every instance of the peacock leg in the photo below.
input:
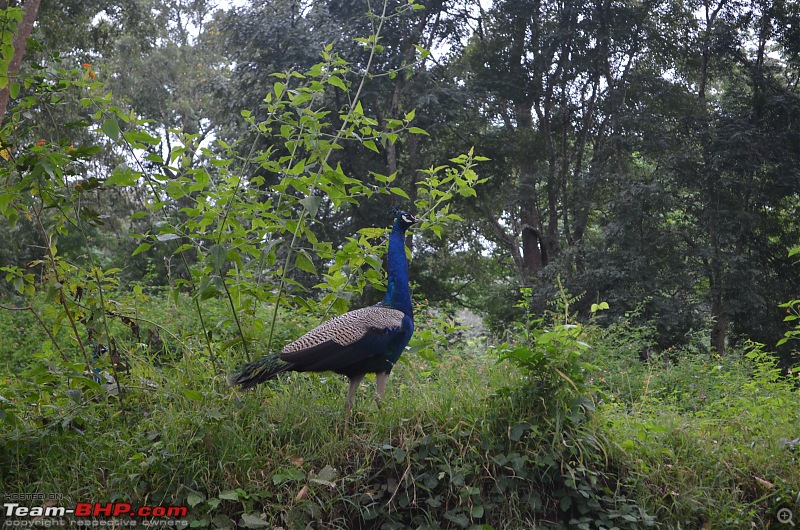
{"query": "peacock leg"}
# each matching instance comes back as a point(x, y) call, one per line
point(381, 380)
point(351, 393)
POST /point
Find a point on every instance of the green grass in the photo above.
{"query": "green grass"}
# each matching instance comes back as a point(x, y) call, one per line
point(682, 441)
point(180, 434)
point(705, 440)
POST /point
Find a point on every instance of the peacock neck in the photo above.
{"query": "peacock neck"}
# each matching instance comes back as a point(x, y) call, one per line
point(398, 293)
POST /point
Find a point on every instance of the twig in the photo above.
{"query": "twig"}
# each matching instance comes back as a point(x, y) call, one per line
point(61, 297)
point(205, 334)
point(111, 343)
point(235, 316)
point(339, 134)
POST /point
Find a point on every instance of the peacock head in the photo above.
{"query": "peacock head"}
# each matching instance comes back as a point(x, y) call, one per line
point(403, 220)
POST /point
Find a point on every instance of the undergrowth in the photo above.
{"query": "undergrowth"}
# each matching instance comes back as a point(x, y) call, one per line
point(705, 441)
point(546, 439)
point(463, 439)
point(563, 426)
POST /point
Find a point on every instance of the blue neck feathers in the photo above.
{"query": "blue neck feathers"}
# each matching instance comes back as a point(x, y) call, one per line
point(398, 294)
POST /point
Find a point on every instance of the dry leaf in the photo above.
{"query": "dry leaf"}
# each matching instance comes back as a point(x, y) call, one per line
point(302, 493)
point(765, 483)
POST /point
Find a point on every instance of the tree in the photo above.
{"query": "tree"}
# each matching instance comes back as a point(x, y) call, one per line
point(552, 77)
point(21, 33)
point(733, 167)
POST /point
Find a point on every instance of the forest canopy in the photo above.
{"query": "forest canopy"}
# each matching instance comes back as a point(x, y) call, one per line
point(645, 154)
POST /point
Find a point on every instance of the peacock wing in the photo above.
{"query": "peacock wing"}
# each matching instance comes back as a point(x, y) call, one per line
point(345, 340)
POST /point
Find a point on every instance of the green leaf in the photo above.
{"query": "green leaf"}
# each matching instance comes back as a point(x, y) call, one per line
point(144, 247)
point(216, 256)
point(5, 200)
point(210, 287)
point(110, 128)
point(304, 263)
point(417, 130)
point(13, 90)
point(122, 176)
point(458, 517)
point(398, 191)
point(229, 495)
point(372, 232)
point(288, 475)
point(383, 178)
point(251, 521)
point(565, 503)
point(12, 217)
point(143, 139)
point(311, 204)
point(194, 395)
point(369, 144)
point(337, 82)
point(297, 169)
point(517, 431)
point(75, 395)
point(182, 248)
point(194, 498)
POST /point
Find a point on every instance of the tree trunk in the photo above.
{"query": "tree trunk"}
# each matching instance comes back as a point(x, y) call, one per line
point(720, 327)
point(715, 265)
point(24, 30)
point(534, 253)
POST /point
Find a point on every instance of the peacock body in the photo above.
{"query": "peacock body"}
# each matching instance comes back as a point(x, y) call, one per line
point(366, 340)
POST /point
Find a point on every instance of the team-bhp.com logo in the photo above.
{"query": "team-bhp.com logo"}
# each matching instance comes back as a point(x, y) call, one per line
point(121, 514)
point(118, 509)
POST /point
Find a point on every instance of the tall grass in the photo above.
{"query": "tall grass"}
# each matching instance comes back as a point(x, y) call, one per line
point(680, 441)
point(706, 441)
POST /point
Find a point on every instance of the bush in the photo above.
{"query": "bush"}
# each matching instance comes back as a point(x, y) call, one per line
point(575, 481)
point(706, 440)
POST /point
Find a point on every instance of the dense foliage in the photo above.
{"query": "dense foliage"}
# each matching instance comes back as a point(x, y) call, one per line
point(573, 431)
point(646, 153)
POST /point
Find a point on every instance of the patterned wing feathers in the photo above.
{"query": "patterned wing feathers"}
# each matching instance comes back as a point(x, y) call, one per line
point(346, 329)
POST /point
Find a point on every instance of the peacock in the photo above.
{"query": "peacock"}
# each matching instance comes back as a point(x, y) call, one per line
point(356, 343)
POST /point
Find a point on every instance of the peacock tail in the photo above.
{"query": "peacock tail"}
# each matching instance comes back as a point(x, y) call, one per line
point(260, 370)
